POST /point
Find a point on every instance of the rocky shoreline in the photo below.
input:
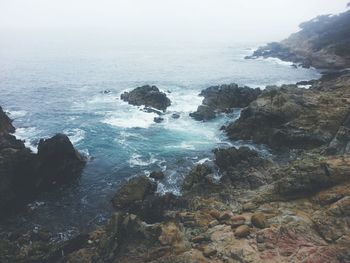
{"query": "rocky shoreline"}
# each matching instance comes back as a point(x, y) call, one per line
point(240, 207)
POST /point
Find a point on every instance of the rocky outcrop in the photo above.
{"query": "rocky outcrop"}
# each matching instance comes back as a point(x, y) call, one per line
point(322, 42)
point(5, 123)
point(24, 174)
point(138, 196)
point(57, 161)
point(290, 117)
point(149, 96)
point(242, 168)
point(223, 99)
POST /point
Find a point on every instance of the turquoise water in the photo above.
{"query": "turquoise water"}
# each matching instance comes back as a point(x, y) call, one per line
point(53, 90)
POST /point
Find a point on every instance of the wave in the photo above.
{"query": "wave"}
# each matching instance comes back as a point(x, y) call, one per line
point(17, 114)
point(134, 118)
point(28, 135)
point(75, 135)
point(138, 160)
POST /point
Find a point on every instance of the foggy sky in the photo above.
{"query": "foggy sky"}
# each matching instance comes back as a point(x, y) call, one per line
point(233, 20)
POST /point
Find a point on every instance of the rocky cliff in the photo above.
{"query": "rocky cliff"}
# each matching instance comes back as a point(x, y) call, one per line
point(323, 42)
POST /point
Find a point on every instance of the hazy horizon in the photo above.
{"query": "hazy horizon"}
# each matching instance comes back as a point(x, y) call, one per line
point(156, 20)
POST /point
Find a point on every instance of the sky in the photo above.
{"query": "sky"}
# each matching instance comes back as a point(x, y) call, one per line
point(171, 20)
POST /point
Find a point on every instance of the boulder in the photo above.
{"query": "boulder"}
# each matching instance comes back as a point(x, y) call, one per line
point(149, 96)
point(203, 113)
point(133, 192)
point(158, 119)
point(58, 161)
point(242, 231)
point(259, 220)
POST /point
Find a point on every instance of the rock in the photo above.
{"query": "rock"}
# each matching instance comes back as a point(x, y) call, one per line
point(237, 221)
point(320, 43)
point(209, 251)
point(24, 174)
point(311, 174)
point(203, 113)
point(157, 175)
point(242, 231)
point(58, 161)
point(150, 96)
point(213, 223)
point(259, 220)
point(200, 239)
point(225, 97)
point(243, 167)
point(222, 99)
point(280, 118)
point(5, 123)
point(175, 115)
point(134, 191)
point(138, 196)
point(158, 119)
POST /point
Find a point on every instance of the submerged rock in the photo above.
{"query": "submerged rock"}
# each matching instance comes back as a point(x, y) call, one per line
point(157, 175)
point(149, 96)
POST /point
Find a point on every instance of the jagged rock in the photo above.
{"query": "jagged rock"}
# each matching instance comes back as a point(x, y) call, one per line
point(242, 167)
point(138, 196)
point(311, 174)
point(5, 123)
point(58, 161)
point(134, 191)
point(175, 115)
point(280, 118)
point(222, 99)
point(203, 113)
point(150, 96)
point(23, 174)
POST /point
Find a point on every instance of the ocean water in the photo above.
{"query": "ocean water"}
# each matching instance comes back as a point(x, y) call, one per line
point(47, 91)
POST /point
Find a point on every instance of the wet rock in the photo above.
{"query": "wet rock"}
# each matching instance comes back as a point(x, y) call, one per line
point(5, 123)
point(237, 221)
point(150, 96)
point(134, 191)
point(58, 161)
point(223, 99)
point(203, 113)
point(259, 220)
point(175, 115)
point(242, 231)
point(158, 119)
point(243, 167)
point(280, 118)
point(157, 175)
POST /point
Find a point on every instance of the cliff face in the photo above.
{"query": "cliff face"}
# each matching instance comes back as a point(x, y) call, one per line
point(323, 42)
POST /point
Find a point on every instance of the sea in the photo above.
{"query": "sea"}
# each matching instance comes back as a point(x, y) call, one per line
point(76, 91)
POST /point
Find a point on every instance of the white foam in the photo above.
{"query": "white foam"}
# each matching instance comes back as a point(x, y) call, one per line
point(75, 135)
point(17, 114)
point(136, 160)
point(134, 118)
point(26, 134)
point(203, 161)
